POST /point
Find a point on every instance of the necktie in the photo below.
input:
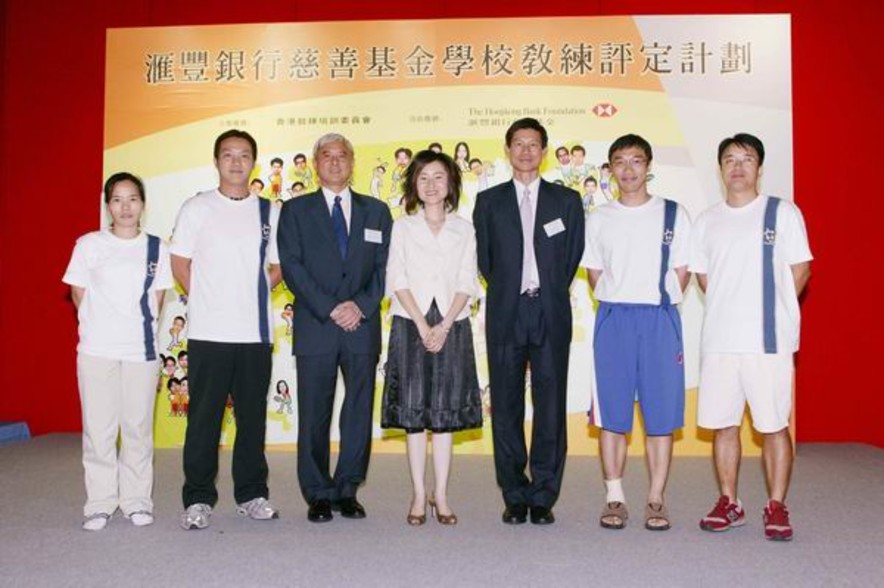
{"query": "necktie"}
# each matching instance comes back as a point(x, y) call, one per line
point(340, 226)
point(527, 214)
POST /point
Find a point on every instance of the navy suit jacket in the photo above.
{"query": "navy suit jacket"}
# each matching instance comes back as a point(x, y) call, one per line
point(314, 271)
point(499, 240)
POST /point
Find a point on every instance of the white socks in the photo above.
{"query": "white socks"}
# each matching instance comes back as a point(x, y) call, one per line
point(615, 491)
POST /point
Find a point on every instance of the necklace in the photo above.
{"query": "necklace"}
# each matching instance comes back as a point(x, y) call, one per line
point(234, 198)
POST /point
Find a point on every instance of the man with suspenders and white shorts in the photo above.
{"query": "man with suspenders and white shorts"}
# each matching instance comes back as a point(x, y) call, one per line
point(752, 259)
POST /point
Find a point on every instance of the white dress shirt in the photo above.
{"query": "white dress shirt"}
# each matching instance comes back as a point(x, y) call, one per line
point(346, 202)
point(533, 280)
point(432, 266)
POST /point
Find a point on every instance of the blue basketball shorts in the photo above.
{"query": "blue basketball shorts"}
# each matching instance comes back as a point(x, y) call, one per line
point(639, 356)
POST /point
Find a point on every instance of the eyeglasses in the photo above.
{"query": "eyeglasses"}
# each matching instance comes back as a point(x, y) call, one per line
point(731, 161)
point(633, 162)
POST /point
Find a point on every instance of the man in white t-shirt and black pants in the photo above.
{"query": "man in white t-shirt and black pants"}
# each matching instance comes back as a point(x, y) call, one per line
point(752, 259)
point(224, 256)
point(636, 253)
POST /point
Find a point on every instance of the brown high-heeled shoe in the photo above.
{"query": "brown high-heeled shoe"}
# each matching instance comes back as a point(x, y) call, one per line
point(450, 519)
point(414, 520)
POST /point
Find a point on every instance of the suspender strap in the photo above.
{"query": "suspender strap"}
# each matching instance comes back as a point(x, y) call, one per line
point(666, 242)
point(153, 256)
point(769, 288)
point(264, 329)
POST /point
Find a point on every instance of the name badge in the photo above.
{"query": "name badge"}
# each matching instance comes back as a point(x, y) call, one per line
point(553, 228)
point(373, 236)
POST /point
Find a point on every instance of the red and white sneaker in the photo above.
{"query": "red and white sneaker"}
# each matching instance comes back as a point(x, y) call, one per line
point(776, 522)
point(724, 515)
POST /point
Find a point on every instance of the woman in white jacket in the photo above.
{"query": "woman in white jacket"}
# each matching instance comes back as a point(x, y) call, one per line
point(431, 382)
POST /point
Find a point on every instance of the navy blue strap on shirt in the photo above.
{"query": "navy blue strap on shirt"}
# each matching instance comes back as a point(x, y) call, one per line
point(666, 242)
point(340, 226)
point(153, 256)
point(767, 270)
point(263, 291)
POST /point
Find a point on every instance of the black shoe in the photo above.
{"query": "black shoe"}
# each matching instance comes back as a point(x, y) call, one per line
point(515, 514)
point(350, 508)
point(541, 515)
point(320, 511)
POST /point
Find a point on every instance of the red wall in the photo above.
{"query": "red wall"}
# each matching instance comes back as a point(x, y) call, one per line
point(51, 100)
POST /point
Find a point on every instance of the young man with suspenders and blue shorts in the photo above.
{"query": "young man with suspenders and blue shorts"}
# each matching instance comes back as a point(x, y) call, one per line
point(752, 259)
point(637, 254)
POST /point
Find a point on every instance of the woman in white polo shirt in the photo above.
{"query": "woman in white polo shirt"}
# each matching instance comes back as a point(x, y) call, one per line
point(431, 382)
point(118, 277)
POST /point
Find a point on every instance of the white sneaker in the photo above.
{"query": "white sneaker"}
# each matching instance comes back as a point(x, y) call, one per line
point(141, 518)
point(96, 522)
point(258, 509)
point(196, 516)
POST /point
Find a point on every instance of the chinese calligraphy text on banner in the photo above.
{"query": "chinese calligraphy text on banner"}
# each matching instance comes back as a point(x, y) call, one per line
point(394, 87)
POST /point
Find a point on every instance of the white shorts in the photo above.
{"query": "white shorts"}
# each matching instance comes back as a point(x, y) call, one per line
point(729, 380)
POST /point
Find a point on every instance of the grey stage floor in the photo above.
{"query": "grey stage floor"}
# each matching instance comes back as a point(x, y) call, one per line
point(836, 504)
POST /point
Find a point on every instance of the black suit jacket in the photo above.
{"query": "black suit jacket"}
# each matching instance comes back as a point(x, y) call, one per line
point(314, 271)
point(499, 240)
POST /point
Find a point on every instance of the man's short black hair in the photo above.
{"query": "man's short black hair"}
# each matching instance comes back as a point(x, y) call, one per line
point(236, 134)
point(527, 123)
point(744, 140)
point(631, 140)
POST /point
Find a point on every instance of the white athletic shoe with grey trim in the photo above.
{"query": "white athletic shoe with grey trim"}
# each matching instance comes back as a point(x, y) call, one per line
point(141, 518)
point(96, 522)
point(258, 509)
point(196, 516)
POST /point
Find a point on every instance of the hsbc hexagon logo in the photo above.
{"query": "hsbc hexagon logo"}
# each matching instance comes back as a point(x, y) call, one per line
point(604, 110)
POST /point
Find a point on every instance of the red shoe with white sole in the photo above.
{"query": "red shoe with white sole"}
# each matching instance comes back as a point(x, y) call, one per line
point(776, 522)
point(724, 515)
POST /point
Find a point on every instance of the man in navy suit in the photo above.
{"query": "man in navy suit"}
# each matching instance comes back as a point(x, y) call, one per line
point(530, 236)
point(333, 251)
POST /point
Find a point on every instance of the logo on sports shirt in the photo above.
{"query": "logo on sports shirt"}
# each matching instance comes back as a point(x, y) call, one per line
point(668, 235)
point(265, 232)
point(152, 269)
point(679, 358)
point(770, 236)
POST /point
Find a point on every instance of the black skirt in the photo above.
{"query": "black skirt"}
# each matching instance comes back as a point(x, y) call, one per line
point(435, 391)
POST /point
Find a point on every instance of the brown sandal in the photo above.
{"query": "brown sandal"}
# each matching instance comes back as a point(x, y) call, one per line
point(414, 520)
point(656, 512)
point(449, 519)
point(614, 510)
